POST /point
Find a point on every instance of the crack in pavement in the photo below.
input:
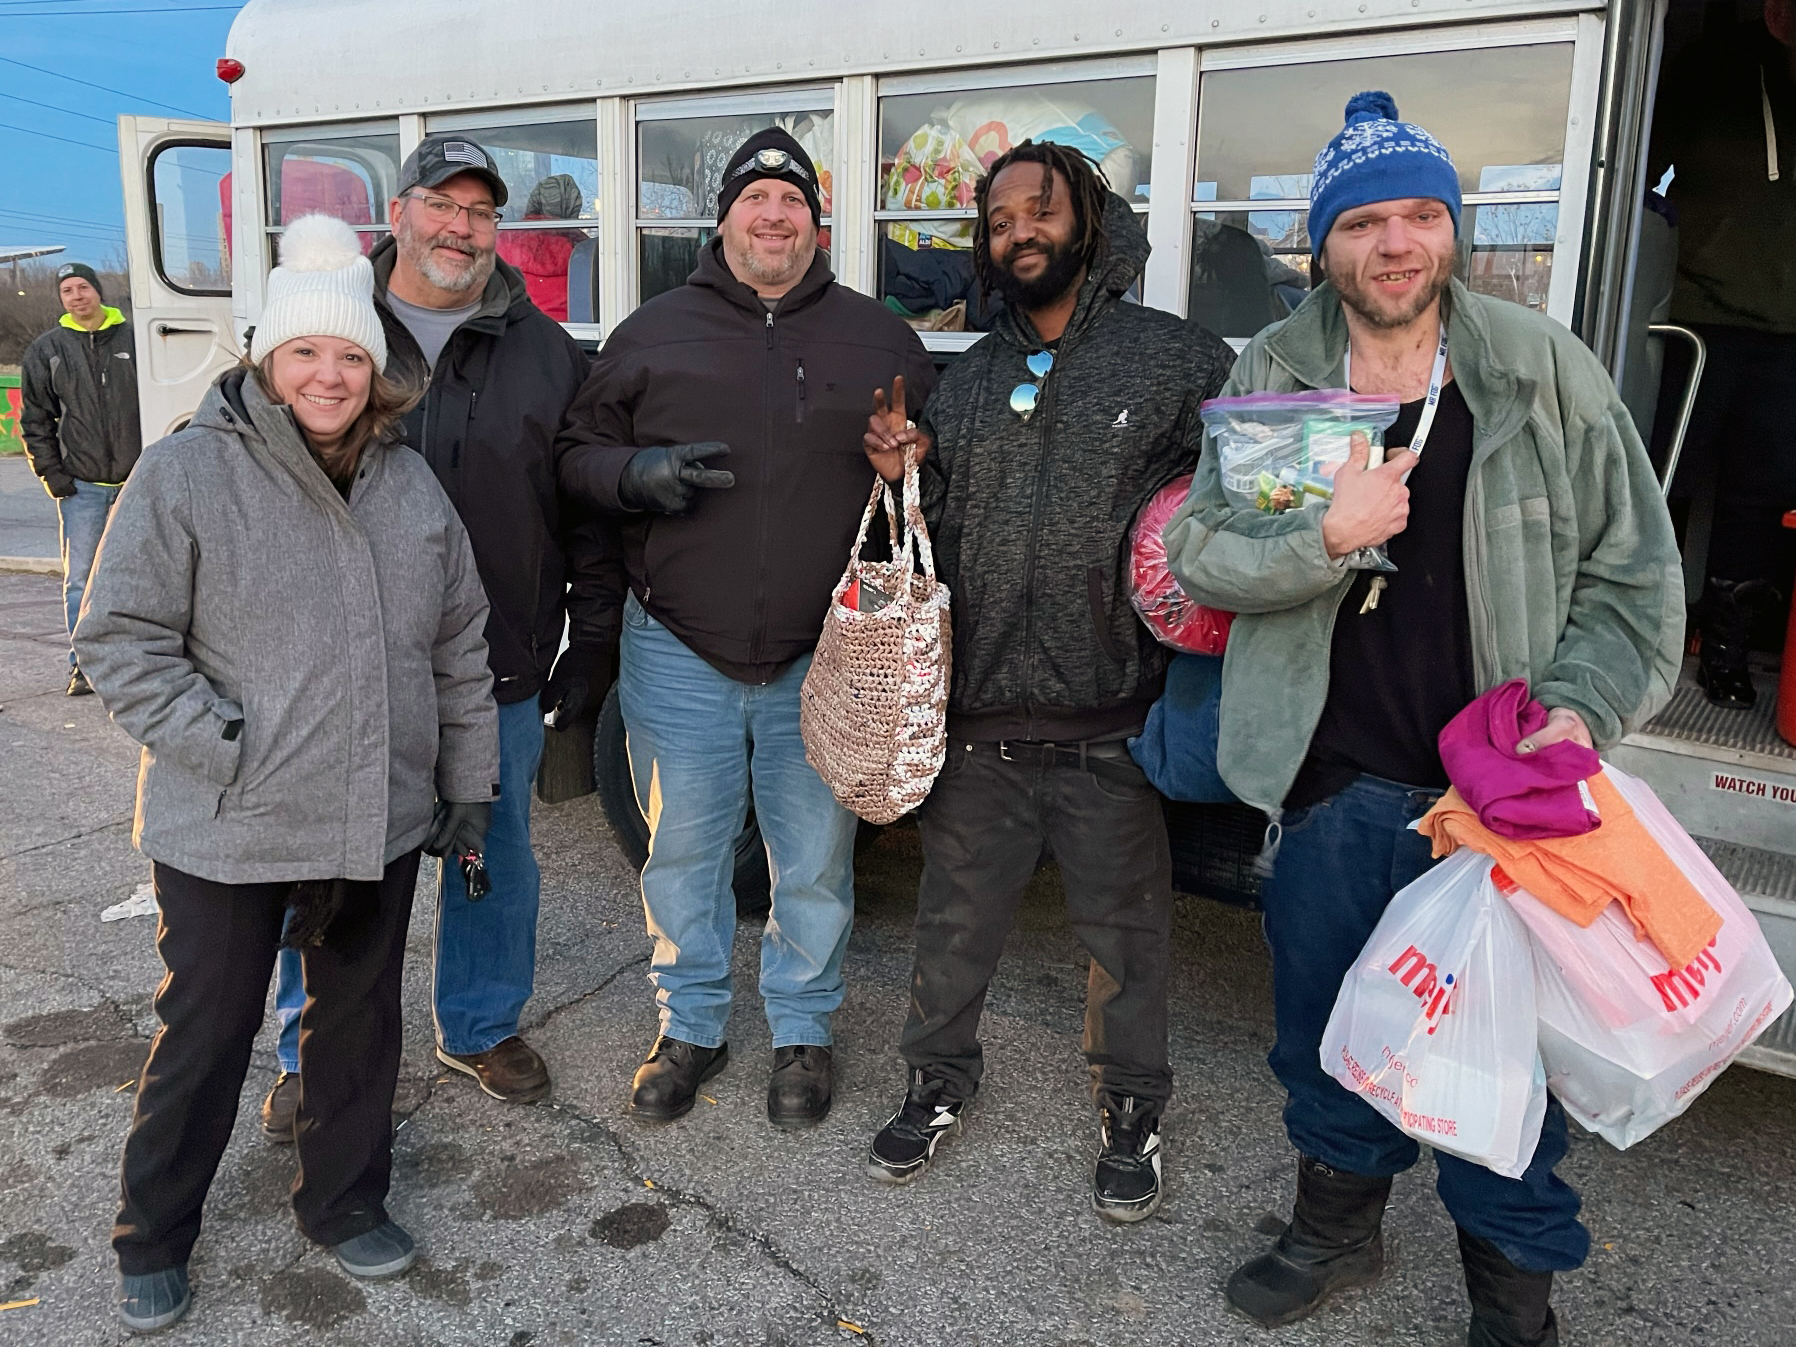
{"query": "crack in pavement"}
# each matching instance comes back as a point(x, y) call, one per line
point(585, 996)
point(62, 841)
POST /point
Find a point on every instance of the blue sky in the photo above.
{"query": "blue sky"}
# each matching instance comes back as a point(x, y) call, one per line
point(54, 192)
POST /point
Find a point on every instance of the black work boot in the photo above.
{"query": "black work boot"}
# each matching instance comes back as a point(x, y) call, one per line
point(1728, 607)
point(1333, 1244)
point(667, 1082)
point(798, 1092)
point(1509, 1306)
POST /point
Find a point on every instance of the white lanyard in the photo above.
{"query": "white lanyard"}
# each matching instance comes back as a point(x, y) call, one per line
point(1426, 421)
point(1417, 441)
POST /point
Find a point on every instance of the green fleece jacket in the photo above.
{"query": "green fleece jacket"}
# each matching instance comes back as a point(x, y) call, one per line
point(1573, 580)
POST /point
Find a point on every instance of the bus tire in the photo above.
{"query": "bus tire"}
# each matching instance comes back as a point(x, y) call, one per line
point(617, 797)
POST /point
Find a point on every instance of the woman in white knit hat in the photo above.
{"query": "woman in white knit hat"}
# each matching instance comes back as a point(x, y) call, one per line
point(286, 615)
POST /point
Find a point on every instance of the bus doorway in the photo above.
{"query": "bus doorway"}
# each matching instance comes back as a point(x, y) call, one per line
point(1715, 393)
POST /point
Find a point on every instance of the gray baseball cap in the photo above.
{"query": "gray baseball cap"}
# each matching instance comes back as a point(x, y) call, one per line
point(441, 157)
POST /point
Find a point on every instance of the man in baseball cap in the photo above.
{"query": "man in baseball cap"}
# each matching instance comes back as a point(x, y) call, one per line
point(444, 156)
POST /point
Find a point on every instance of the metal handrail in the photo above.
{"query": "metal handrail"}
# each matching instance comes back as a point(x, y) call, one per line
point(1699, 356)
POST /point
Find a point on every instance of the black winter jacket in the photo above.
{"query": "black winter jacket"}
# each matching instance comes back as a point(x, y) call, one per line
point(487, 428)
point(1031, 519)
point(80, 418)
point(744, 578)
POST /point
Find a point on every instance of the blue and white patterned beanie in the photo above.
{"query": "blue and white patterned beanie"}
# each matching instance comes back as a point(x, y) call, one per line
point(1376, 157)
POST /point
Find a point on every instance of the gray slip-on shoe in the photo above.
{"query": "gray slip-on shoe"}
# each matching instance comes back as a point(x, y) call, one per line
point(385, 1251)
point(151, 1300)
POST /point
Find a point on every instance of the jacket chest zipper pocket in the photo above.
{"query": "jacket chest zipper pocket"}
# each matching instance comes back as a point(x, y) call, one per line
point(801, 392)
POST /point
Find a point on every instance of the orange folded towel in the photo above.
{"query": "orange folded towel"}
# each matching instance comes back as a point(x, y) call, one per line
point(1579, 876)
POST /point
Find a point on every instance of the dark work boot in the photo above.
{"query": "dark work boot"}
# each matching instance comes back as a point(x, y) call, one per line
point(1728, 607)
point(1509, 1306)
point(798, 1091)
point(666, 1084)
point(1333, 1244)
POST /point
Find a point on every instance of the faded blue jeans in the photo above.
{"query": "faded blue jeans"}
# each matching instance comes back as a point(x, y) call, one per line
point(701, 745)
point(1339, 865)
point(82, 522)
point(485, 951)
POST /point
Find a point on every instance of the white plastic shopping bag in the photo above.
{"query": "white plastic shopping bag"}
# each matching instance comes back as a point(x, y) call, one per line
point(1628, 1042)
point(1435, 1024)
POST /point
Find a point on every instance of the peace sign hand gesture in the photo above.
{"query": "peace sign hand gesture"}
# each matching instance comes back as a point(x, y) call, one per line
point(890, 435)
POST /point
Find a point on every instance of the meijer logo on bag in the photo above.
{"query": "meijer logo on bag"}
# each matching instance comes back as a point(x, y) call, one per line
point(1679, 987)
point(1414, 970)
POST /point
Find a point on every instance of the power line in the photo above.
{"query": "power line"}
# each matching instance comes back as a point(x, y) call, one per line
point(83, 13)
point(104, 88)
point(60, 219)
point(54, 107)
point(85, 144)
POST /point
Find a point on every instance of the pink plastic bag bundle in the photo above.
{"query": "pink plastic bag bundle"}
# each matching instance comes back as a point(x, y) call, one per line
point(1172, 615)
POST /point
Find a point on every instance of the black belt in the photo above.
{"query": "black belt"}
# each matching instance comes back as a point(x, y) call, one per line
point(1108, 758)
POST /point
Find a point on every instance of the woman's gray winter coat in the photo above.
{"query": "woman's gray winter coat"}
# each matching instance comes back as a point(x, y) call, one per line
point(236, 583)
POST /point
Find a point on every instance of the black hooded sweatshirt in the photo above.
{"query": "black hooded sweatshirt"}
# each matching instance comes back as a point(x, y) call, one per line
point(1031, 518)
point(743, 578)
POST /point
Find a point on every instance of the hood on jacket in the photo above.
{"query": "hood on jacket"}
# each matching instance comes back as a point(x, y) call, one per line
point(713, 273)
point(1115, 269)
point(505, 299)
point(236, 405)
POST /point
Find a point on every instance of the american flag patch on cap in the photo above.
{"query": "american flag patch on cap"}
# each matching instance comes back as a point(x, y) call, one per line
point(461, 152)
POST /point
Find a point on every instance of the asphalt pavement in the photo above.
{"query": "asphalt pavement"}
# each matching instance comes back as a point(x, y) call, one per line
point(568, 1223)
point(27, 514)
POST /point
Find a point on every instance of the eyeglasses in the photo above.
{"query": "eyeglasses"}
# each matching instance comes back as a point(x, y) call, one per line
point(1024, 396)
point(772, 163)
point(442, 210)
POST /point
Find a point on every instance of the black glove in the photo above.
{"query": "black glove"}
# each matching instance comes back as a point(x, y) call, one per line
point(458, 827)
point(665, 479)
point(581, 679)
point(60, 488)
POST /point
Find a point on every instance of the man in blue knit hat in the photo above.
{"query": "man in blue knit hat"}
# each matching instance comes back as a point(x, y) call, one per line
point(1531, 542)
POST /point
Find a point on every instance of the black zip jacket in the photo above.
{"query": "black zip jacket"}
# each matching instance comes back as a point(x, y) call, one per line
point(1031, 518)
point(80, 416)
point(744, 578)
point(487, 428)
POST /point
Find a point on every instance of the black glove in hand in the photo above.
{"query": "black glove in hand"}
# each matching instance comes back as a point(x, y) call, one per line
point(578, 685)
point(458, 827)
point(666, 478)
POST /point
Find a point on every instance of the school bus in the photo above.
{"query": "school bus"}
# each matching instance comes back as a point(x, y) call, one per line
point(611, 124)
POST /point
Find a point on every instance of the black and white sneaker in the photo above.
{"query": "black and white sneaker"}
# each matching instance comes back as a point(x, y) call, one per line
point(906, 1144)
point(1125, 1184)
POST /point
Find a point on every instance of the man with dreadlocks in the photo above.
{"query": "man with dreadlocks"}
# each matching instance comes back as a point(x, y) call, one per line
point(1040, 446)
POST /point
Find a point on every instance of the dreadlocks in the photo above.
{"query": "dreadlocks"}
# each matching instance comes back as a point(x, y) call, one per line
point(1089, 189)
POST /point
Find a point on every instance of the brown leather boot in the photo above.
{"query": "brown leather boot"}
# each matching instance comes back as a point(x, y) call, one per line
point(281, 1108)
point(511, 1071)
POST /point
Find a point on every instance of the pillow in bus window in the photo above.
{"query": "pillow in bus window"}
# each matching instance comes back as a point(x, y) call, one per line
point(813, 131)
point(995, 122)
point(933, 170)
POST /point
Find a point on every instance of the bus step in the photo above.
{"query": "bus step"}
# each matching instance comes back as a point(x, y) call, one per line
point(1766, 881)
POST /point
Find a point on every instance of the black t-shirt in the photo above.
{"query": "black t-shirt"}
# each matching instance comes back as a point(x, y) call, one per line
point(1398, 674)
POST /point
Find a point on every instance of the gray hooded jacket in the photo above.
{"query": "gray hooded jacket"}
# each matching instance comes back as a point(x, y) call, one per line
point(236, 583)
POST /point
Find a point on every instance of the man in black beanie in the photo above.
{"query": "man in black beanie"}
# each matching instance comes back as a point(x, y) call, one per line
point(762, 356)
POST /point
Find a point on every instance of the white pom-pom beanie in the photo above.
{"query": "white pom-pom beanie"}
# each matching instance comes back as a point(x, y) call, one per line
point(323, 287)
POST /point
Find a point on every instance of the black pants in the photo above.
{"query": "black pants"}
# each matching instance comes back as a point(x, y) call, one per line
point(1744, 430)
point(985, 826)
point(218, 943)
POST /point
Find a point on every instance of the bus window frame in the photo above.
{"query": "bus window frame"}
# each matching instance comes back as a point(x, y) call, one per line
point(1583, 32)
point(155, 201)
point(303, 132)
point(824, 97)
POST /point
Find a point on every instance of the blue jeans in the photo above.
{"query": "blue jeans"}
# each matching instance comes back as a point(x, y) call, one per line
point(82, 520)
point(1339, 865)
point(485, 951)
point(700, 744)
point(1177, 745)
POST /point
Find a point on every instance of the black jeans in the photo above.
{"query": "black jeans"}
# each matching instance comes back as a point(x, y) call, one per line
point(985, 827)
point(218, 944)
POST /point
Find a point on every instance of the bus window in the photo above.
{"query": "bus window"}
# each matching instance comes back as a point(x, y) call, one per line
point(551, 169)
point(350, 174)
point(933, 149)
point(1500, 111)
point(187, 229)
point(680, 162)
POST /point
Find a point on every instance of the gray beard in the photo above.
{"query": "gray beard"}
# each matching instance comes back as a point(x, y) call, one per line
point(751, 262)
point(416, 249)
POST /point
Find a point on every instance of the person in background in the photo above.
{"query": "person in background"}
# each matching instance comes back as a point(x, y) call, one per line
point(1544, 554)
point(541, 255)
point(762, 356)
point(1042, 443)
point(498, 375)
point(314, 705)
point(78, 382)
point(1726, 122)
